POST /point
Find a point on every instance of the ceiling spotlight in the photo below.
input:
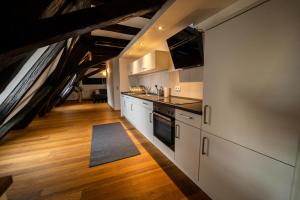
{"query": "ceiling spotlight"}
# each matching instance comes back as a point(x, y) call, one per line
point(160, 28)
point(141, 44)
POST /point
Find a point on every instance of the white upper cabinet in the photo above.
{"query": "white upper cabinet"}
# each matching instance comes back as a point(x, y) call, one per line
point(151, 62)
point(251, 79)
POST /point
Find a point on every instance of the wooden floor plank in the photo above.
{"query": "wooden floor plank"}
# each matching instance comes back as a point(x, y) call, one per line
point(50, 160)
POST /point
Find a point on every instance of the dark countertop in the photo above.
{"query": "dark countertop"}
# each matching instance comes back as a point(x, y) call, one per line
point(186, 104)
point(191, 107)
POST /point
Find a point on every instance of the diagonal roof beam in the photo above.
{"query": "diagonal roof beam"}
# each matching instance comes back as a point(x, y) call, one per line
point(109, 42)
point(50, 30)
point(122, 29)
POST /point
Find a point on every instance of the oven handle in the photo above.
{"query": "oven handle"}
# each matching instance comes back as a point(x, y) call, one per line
point(164, 117)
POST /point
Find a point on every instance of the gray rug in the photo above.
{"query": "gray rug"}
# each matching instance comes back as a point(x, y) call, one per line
point(110, 142)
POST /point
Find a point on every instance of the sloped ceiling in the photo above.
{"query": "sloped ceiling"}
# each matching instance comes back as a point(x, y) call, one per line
point(49, 46)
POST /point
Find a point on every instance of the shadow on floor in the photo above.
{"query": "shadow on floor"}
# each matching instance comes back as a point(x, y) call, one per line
point(187, 187)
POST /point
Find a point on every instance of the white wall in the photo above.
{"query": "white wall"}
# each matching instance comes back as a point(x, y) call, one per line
point(113, 83)
point(189, 80)
point(87, 90)
point(109, 83)
point(124, 79)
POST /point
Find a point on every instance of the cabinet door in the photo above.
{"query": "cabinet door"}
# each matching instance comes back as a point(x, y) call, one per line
point(129, 110)
point(231, 172)
point(251, 93)
point(148, 124)
point(187, 149)
point(123, 106)
point(143, 121)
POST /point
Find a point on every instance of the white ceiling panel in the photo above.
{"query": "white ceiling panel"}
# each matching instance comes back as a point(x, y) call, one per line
point(137, 22)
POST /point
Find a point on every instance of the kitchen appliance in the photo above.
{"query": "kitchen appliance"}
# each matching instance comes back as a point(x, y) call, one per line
point(167, 91)
point(186, 48)
point(164, 123)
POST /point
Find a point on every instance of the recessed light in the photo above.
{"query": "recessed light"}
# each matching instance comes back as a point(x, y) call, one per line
point(160, 28)
point(141, 44)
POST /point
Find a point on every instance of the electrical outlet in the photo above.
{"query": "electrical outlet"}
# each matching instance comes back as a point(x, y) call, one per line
point(177, 88)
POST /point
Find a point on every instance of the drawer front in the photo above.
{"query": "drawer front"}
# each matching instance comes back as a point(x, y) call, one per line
point(129, 98)
point(146, 104)
point(141, 102)
point(188, 118)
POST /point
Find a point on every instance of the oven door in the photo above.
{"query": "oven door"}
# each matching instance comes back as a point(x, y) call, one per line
point(164, 129)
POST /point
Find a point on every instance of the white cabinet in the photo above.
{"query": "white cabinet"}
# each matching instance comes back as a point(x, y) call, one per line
point(145, 125)
point(250, 76)
point(231, 172)
point(129, 110)
point(187, 149)
point(139, 113)
point(151, 62)
point(123, 106)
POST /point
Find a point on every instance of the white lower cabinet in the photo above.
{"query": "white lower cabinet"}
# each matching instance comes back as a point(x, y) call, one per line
point(231, 172)
point(144, 122)
point(187, 149)
point(139, 113)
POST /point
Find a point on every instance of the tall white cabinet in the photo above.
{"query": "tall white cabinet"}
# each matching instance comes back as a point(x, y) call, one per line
point(249, 76)
point(251, 121)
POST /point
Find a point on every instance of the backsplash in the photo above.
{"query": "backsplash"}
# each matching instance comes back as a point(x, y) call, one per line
point(189, 81)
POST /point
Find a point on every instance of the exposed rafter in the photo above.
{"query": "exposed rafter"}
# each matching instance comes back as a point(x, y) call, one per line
point(122, 29)
point(50, 30)
point(149, 15)
point(109, 42)
point(29, 79)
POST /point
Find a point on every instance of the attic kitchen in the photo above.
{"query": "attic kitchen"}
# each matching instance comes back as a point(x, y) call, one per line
point(184, 89)
point(198, 100)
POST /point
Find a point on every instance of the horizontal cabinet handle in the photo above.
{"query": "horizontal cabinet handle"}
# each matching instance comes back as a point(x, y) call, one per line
point(188, 117)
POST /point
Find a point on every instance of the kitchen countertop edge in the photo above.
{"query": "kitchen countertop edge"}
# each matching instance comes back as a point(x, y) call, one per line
point(181, 107)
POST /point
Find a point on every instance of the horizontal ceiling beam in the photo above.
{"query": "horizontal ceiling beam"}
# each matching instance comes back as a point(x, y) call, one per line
point(122, 29)
point(20, 37)
point(109, 42)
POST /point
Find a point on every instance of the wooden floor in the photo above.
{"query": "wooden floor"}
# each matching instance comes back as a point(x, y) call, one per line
point(50, 160)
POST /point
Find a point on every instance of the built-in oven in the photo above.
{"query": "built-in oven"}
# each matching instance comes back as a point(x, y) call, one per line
point(164, 124)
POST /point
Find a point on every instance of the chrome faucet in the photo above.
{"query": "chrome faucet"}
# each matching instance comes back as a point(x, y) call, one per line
point(157, 90)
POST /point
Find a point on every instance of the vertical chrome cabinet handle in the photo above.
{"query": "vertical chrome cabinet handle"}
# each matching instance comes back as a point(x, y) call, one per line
point(150, 117)
point(203, 152)
point(131, 107)
point(206, 117)
point(177, 131)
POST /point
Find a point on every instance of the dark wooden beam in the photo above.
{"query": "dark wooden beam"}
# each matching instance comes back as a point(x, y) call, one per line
point(34, 103)
point(16, 38)
point(65, 68)
point(103, 51)
point(109, 42)
point(149, 15)
point(7, 73)
point(29, 79)
point(96, 71)
point(122, 29)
